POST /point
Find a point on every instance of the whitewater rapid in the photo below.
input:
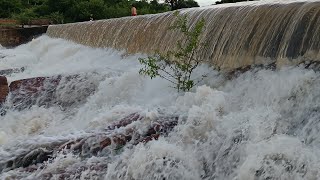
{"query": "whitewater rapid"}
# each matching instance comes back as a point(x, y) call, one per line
point(261, 125)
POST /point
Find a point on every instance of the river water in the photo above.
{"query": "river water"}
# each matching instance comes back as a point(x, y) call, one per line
point(262, 124)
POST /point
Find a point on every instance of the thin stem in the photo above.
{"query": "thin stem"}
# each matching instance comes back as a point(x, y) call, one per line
point(167, 79)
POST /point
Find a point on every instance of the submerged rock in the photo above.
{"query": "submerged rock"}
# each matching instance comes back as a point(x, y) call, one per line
point(63, 91)
point(96, 143)
point(314, 65)
point(4, 89)
point(236, 72)
point(27, 92)
point(7, 72)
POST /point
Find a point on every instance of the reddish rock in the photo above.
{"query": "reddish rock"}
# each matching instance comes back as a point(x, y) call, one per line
point(150, 138)
point(3, 80)
point(33, 85)
point(4, 89)
point(26, 92)
point(93, 144)
point(125, 121)
point(47, 91)
point(106, 142)
point(162, 126)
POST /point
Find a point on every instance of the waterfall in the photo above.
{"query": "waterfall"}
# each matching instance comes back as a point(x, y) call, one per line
point(236, 35)
point(81, 112)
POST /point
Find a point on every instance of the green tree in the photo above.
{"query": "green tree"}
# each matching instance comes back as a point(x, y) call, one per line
point(178, 4)
point(56, 17)
point(178, 66)
point(9, 7)
point(60, 5)
point(24, 17)
point(76, 10)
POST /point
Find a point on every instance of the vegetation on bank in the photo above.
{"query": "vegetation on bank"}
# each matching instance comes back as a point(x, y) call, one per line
point(63, 11)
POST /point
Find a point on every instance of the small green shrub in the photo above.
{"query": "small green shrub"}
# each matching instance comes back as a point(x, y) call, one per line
point(178, 66)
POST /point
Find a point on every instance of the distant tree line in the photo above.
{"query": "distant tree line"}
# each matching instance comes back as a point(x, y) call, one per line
point(179, 4)
point(230, 1)
point(63, 11)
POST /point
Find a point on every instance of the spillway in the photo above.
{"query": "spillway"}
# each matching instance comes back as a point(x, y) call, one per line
point(89, 114)
point(285, 32)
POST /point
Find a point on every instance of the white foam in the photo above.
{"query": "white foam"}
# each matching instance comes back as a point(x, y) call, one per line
point(259, 125)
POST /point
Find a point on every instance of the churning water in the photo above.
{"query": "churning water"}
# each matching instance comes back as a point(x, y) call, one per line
point(262, 124)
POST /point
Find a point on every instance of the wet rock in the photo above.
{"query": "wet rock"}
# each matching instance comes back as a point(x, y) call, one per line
point(27, 92)
point(95, 143)
point(125, 121)
point(238, 71)
point(63, 91)
point(4, 89)
point(315, 65)
point(25, 160)
point(33, 85)
point(7, 72)
point(2, 55)
point(36, 156)
point(275, 165)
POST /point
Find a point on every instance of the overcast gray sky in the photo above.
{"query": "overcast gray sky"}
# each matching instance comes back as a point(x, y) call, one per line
point(205, 2)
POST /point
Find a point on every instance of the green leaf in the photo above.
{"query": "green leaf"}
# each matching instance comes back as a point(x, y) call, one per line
point(177, 66)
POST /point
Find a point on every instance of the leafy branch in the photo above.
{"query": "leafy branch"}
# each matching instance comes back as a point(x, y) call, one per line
point(178, 66)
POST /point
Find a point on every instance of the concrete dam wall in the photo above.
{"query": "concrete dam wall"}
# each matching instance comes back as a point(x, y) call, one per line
point(236, 35)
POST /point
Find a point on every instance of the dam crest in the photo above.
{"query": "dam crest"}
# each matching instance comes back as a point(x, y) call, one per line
point(236, 35)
